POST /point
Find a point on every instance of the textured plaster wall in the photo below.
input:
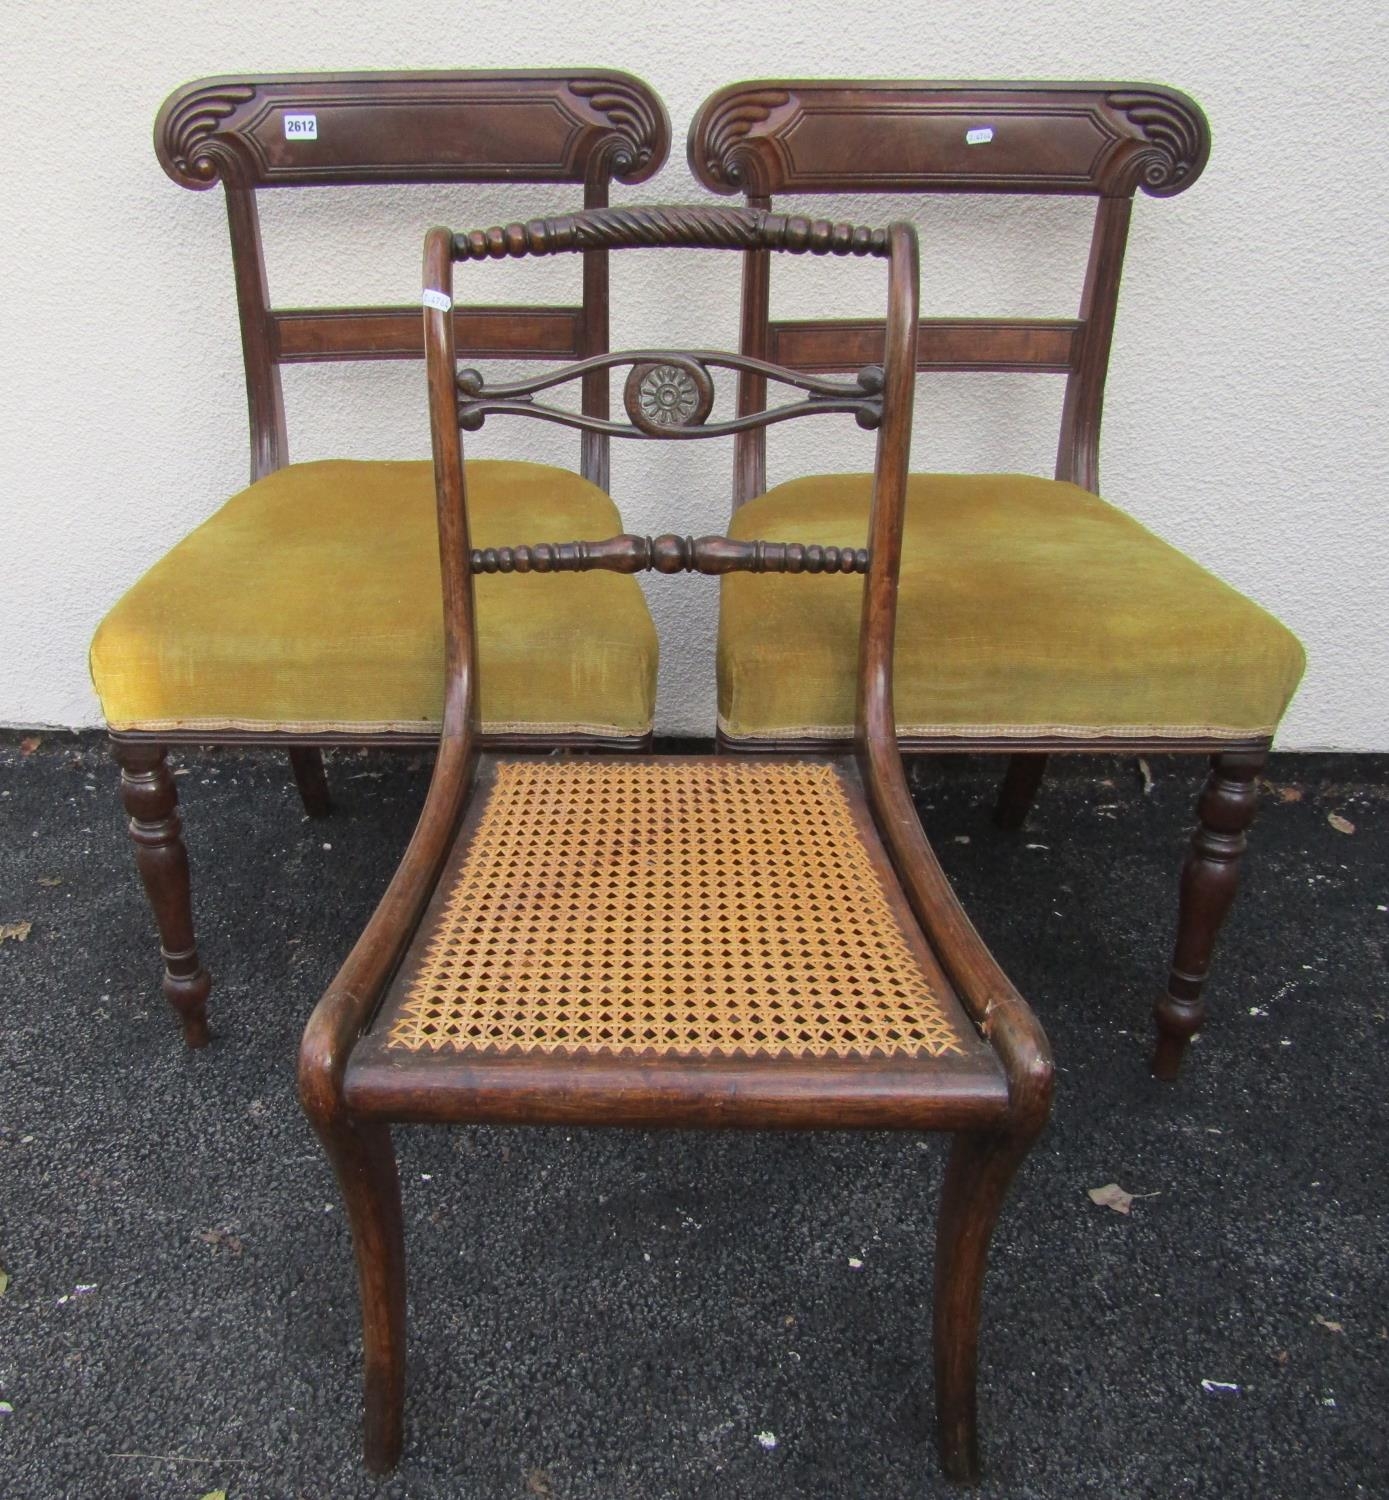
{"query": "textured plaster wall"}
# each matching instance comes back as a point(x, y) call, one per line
point(1246, 418)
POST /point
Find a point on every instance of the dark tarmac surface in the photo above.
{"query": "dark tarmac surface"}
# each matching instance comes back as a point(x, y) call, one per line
point(614, 1315)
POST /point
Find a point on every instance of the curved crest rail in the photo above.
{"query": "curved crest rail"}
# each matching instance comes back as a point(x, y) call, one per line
point(696, 226)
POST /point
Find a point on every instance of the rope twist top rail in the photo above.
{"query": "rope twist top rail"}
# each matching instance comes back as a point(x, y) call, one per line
point(698, 226)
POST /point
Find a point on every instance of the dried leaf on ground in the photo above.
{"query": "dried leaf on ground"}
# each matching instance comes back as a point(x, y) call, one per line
point(1328, 1324)
point(1340, 824)
point(19, 931)
point(1111, 1195)
point(29, 744)
point(50, 880)
point(1281, 1357)
point(538, 1482)
point(4, 1282)
point(214, 1495)
point(221, 1239)
point(1288, 793)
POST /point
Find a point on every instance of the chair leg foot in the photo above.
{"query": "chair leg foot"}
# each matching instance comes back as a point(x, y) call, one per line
point(150, 797)
point(1019, 790)
point(1209, 878)
point(364, 1161)
point(976, 1183)
point(309, 776)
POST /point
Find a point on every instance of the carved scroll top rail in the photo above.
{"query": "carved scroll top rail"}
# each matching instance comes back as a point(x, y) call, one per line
point(700, 226)
point(527, 125)
point(670, 554)
point(775, 136)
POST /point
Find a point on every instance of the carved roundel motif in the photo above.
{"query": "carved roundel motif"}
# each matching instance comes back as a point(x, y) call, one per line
point(667, 395)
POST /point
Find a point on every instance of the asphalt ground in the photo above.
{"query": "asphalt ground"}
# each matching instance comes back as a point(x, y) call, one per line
point(613, 1314)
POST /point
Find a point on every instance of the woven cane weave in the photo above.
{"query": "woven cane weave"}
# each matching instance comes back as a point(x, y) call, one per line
point(704, 907)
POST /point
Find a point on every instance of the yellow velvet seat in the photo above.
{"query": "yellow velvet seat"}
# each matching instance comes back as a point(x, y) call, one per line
point(1029, 609)
point(310, 603)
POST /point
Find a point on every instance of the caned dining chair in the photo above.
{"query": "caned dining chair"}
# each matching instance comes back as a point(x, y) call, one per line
point(303, 612)
point(674, 940)
point(1035, 617)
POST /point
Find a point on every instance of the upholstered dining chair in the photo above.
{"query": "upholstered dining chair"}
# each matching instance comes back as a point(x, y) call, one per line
point(674, 940)
point(1035, 616)
point(303, 612)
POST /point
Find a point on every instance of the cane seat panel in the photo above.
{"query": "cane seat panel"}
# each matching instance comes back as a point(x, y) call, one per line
point(669, 906)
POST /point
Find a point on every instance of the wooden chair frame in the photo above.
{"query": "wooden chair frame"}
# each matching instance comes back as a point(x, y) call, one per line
point(353, 1093)
point(585, 128)
point(1102, 140)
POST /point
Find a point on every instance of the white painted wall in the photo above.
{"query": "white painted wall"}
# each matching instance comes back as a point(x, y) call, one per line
point(1246, 418)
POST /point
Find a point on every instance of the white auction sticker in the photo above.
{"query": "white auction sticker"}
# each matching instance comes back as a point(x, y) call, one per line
point(439, 301)
point(301, 127)
point(981, 135)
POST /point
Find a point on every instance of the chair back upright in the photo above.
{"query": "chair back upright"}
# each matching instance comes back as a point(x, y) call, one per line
point(1101, 140)
point(669, 395)
point(326, 129)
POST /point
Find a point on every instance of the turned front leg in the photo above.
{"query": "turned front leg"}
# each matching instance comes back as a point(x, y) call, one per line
point(150, 798)
point(1209, 878)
